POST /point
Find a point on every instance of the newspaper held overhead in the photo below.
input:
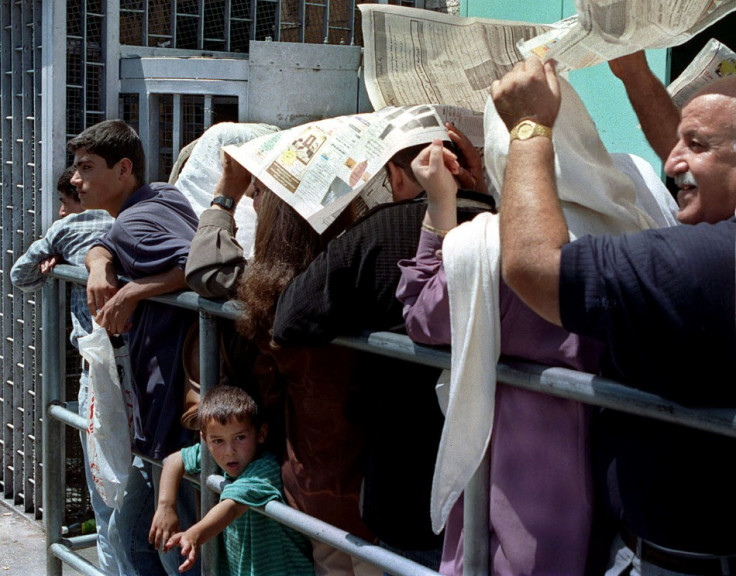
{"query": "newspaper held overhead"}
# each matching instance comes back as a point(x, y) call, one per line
point(415, 56)
point(320, 167)
point(606, 29)
point(715, 60)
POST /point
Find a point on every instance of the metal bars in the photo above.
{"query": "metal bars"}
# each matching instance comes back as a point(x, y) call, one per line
point(561, 382)
point(85, 64)
point(228, 25)
point(20, 65)
point(6, 313)
point(59, 549)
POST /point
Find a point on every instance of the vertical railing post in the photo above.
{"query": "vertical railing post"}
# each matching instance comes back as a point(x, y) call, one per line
point(53, 432)
point(476, 529)
point(209, 374)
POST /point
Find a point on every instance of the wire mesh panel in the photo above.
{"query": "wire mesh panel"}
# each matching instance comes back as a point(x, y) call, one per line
point(192, 117)
point(182, 118)
point(85, 64)
point(228, 25)
point(20, 63)
point(129, 109)
point(23, 204)
point(165, 132)
point(32, 408)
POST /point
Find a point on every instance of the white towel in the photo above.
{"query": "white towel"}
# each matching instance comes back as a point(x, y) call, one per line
point(597, 198)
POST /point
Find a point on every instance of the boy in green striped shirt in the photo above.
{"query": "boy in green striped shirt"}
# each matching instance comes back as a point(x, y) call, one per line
point(251, 544)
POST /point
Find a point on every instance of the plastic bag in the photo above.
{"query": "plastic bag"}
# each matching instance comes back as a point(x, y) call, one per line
point(109, 415)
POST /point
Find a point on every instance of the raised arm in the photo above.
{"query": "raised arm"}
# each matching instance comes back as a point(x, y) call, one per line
point(472, 173)
point(657, 113)
point(423, 285)
point(434, 168)
point(216, 260)
point(533, 227)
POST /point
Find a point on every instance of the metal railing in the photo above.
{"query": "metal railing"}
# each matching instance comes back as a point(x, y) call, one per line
point(561, 382)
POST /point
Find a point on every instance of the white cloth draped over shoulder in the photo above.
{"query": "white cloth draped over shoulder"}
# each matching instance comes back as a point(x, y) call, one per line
point(600, 193)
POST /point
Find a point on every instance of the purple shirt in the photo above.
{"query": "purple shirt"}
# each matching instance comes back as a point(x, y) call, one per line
point(540, 471)
point(423, 291)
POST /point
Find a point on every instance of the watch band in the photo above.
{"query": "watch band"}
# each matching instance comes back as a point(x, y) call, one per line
point(226, 202)
point(527, 129)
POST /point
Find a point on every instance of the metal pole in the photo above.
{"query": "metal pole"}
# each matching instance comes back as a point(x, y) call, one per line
point(476, 528)
point(209, 375)
point(74, 560)
point(53, 433)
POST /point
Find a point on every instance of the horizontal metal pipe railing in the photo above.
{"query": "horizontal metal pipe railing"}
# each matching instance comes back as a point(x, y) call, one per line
point(331, 535)
point(79, 542)
point(560, 382)
point(68, 417)
point(312, 527)
point(79, 563)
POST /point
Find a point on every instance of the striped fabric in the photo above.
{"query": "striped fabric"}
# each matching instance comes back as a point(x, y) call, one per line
point(255, 545)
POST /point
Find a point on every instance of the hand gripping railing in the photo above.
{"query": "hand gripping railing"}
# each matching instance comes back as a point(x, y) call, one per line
point(559, 382)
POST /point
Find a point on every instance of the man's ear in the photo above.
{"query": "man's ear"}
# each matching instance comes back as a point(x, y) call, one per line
point(397, 177)
point(125, 168)
point(202, 436)
point(262, 433)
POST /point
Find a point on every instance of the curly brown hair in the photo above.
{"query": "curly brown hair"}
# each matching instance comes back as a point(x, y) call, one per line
point(285, 244)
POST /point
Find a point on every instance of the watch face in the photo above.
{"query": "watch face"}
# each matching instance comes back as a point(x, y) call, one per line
point(225, 201)
point(525, 131)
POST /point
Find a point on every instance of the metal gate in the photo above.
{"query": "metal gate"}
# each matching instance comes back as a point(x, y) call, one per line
point(22, 209)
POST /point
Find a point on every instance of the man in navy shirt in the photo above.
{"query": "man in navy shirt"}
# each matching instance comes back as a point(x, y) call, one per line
point(148, 243)
point(661, 300)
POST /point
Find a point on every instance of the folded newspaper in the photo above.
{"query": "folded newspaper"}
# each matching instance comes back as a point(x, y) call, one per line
point(320, 167)
point(606, 29)
point(715, 60)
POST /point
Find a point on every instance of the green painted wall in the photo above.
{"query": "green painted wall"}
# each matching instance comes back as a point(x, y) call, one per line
point(602, 93)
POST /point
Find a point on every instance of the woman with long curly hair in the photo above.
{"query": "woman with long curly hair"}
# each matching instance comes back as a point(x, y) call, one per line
point(322, 468)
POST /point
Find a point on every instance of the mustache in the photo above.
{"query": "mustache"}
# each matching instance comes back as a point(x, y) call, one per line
point(685, 179)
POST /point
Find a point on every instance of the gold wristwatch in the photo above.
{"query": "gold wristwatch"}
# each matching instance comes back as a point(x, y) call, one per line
point(529, 129)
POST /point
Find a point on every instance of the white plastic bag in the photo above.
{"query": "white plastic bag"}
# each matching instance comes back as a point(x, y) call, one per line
point(109, 414)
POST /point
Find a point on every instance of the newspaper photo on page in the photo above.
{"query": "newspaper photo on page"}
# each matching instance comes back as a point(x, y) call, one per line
point(606, 29)
point(320, 167)
point(715, 60)
point(414, 56)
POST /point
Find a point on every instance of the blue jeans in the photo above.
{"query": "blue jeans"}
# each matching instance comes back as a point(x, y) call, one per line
point(107, 555)
point(129, 526)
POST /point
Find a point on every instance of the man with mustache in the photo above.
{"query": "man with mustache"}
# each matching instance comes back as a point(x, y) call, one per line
point(661, 300)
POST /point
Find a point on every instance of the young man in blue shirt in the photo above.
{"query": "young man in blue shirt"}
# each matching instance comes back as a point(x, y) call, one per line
point(148, 244)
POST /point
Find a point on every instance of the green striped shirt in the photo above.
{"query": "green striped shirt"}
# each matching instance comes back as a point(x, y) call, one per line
point(255, 545)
